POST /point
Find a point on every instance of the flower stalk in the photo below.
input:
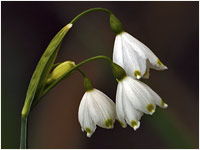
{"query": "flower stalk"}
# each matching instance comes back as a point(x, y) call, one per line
point(88, 11)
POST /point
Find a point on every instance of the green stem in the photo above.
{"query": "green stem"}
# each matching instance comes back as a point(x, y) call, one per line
point(23, 132)
point(82, 73)
point(88, 11)
point(77, 66)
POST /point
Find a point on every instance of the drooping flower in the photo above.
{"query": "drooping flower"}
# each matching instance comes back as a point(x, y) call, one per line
point(135, 57)
point(134, 98)
point(96, 109)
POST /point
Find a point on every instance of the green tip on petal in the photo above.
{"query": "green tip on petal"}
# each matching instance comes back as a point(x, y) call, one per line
point(150, 108)
point(164, 105)
point(122, 125)
point(137, 74)
point(88, 130)
point(134, 123)
point(159, 63)
point(109, 123)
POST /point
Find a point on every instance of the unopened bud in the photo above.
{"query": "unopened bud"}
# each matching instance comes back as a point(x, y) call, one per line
point(60, 70)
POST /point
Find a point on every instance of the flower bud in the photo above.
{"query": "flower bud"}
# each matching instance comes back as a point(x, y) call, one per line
point(118, 72)
point(115, 24)
point(60, 70)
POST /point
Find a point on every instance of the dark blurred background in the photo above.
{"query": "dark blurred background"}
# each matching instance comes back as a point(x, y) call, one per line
point(170, 29)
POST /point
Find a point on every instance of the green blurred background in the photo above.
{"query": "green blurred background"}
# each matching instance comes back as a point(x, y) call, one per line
point(170, 29)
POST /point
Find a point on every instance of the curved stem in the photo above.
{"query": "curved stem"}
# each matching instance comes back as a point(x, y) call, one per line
point(88, 11)
point(77, 66)
point(82, 73)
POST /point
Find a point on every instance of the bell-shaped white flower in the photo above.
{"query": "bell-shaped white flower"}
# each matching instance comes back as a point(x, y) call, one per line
point(134, 98)
point(96, 109)
point(135, 57)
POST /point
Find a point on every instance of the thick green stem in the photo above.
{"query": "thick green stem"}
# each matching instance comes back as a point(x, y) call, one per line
point(23, 139)
point(88, 11)
point(77, 66)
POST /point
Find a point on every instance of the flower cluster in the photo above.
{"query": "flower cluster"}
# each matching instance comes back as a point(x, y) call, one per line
point(132, 60)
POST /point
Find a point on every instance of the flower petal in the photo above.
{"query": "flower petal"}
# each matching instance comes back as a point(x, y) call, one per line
point(132, 115)
point(109, 108)
point(85, 119)
point(139, 95)
point(117, 51)
point(102, 109)
point(119, 105)
point(156, 97)
point(134, 64)
point(145, 52)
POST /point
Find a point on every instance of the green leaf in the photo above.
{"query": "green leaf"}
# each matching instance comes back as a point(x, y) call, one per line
point(45, 75)
point(40, 74)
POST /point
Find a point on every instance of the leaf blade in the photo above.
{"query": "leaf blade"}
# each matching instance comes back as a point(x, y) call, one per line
point(45, 63)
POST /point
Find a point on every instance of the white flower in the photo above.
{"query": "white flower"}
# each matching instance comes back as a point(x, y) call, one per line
point(135, 57)
point(96, 109)
point(133, 99)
